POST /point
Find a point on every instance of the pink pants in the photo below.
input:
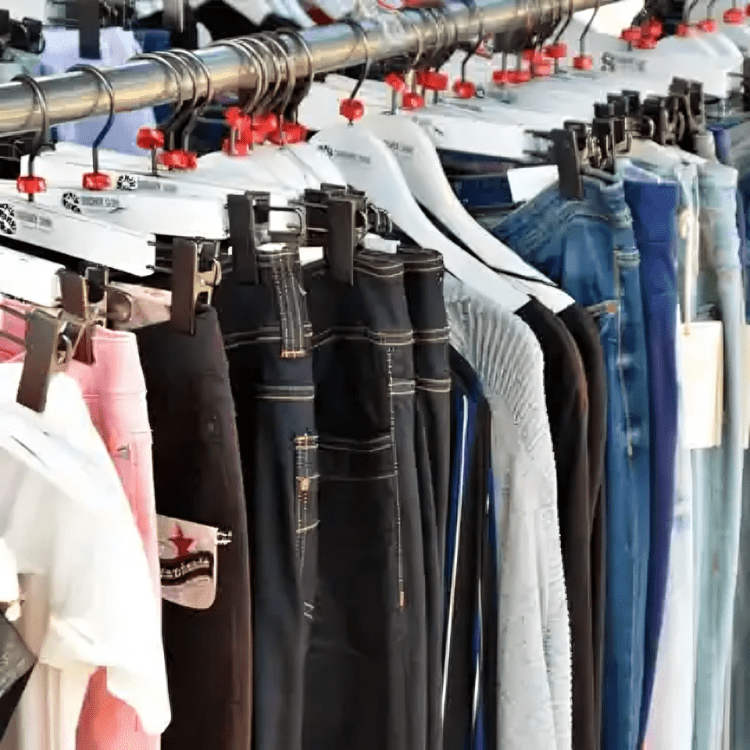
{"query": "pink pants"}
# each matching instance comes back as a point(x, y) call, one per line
point(115, 393)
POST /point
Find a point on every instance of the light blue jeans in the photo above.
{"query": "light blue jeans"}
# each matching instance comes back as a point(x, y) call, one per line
point(717, 473)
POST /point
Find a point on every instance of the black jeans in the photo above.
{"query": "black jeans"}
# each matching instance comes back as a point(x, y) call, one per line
point(268, 342)
point(423, 281)
point(197, 478)
point(366, 682)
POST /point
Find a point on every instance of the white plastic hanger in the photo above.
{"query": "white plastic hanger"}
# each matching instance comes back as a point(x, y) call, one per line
point(161, 213)
point(55, 228)
point(28, 278)
point(369, 165)
point(289, 172)
point(427, 181)
point(179, 190)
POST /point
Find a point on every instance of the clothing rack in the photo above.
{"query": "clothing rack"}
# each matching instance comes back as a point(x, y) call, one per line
point(146, 83)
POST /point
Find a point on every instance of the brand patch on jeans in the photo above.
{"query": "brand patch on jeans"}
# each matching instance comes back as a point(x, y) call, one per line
point(187, 558)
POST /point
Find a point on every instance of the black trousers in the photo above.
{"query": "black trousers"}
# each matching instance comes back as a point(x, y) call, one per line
point(423, 281)
point(366, 685)
point(197, 478)
point(268, 343)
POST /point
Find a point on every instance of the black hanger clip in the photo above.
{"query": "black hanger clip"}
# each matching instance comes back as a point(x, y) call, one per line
point(688, 102)
point(191, 284)
point(48, 350)
point(603, 155)
point(660, 120)
point(568, 151)
point(342, 236)
point(248, 217)
point(81, 312)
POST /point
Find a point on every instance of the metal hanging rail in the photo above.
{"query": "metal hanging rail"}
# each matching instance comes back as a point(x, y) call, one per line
point(146, 83)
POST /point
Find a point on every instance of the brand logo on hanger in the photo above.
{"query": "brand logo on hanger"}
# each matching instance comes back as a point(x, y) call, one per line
point(127, 182)
point(75, 202)
point(133, 182)
point(33, 220)
point(612, 62)
point(401, 149)
point(350, 156)
point(7, 219)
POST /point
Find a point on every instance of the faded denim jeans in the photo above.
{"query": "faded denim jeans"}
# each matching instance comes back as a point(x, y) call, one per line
point(717, 473)
point(589, 249)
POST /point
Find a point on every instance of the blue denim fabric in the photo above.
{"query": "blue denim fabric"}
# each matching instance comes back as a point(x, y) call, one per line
point(588, 248)
point(466, 395)
point(654, 206)
point(718, 472)
point(732, 138)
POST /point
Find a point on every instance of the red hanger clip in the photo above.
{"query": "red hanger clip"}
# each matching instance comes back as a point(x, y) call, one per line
point(352, 109)
point(96, 181)
point(31, 185)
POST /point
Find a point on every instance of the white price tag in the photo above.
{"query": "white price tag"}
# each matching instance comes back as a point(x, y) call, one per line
point(702, 354)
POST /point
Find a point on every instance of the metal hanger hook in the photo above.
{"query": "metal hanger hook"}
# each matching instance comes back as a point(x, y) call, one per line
point(94, 71)
point(251, 55)
point(41, 100)
point(474, 49)
point(182, 115)
point(303, 43)
point(291, 74)
point(588, 26)
point(155, 57)
point(357, 26)
point(268, 93)
point(564, 27)
point(197, 111)
point(420, 39)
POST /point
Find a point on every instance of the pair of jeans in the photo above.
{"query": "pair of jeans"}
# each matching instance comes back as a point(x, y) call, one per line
point(267, 337)
point(653, 206)
point(588, 248)
point(732, 137)
point(423, 284)
point(717, 473)
point(367, 668)
point(471, 582)
point(197, 478)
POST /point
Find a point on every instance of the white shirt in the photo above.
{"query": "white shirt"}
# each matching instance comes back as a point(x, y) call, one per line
point(89, 601)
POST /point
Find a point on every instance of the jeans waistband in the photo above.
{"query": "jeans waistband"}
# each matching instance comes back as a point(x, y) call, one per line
point(540, 219)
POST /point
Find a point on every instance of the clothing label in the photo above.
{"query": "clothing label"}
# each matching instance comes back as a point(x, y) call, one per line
point(187, 556)
point(702, 353)
point(527, 182)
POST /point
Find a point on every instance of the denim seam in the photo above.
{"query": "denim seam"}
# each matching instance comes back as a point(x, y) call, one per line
point(399, 552)
point(620, 366)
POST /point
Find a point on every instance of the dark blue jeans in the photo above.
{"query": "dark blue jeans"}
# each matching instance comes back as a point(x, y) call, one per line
point(654, 206)
point(588, 247)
